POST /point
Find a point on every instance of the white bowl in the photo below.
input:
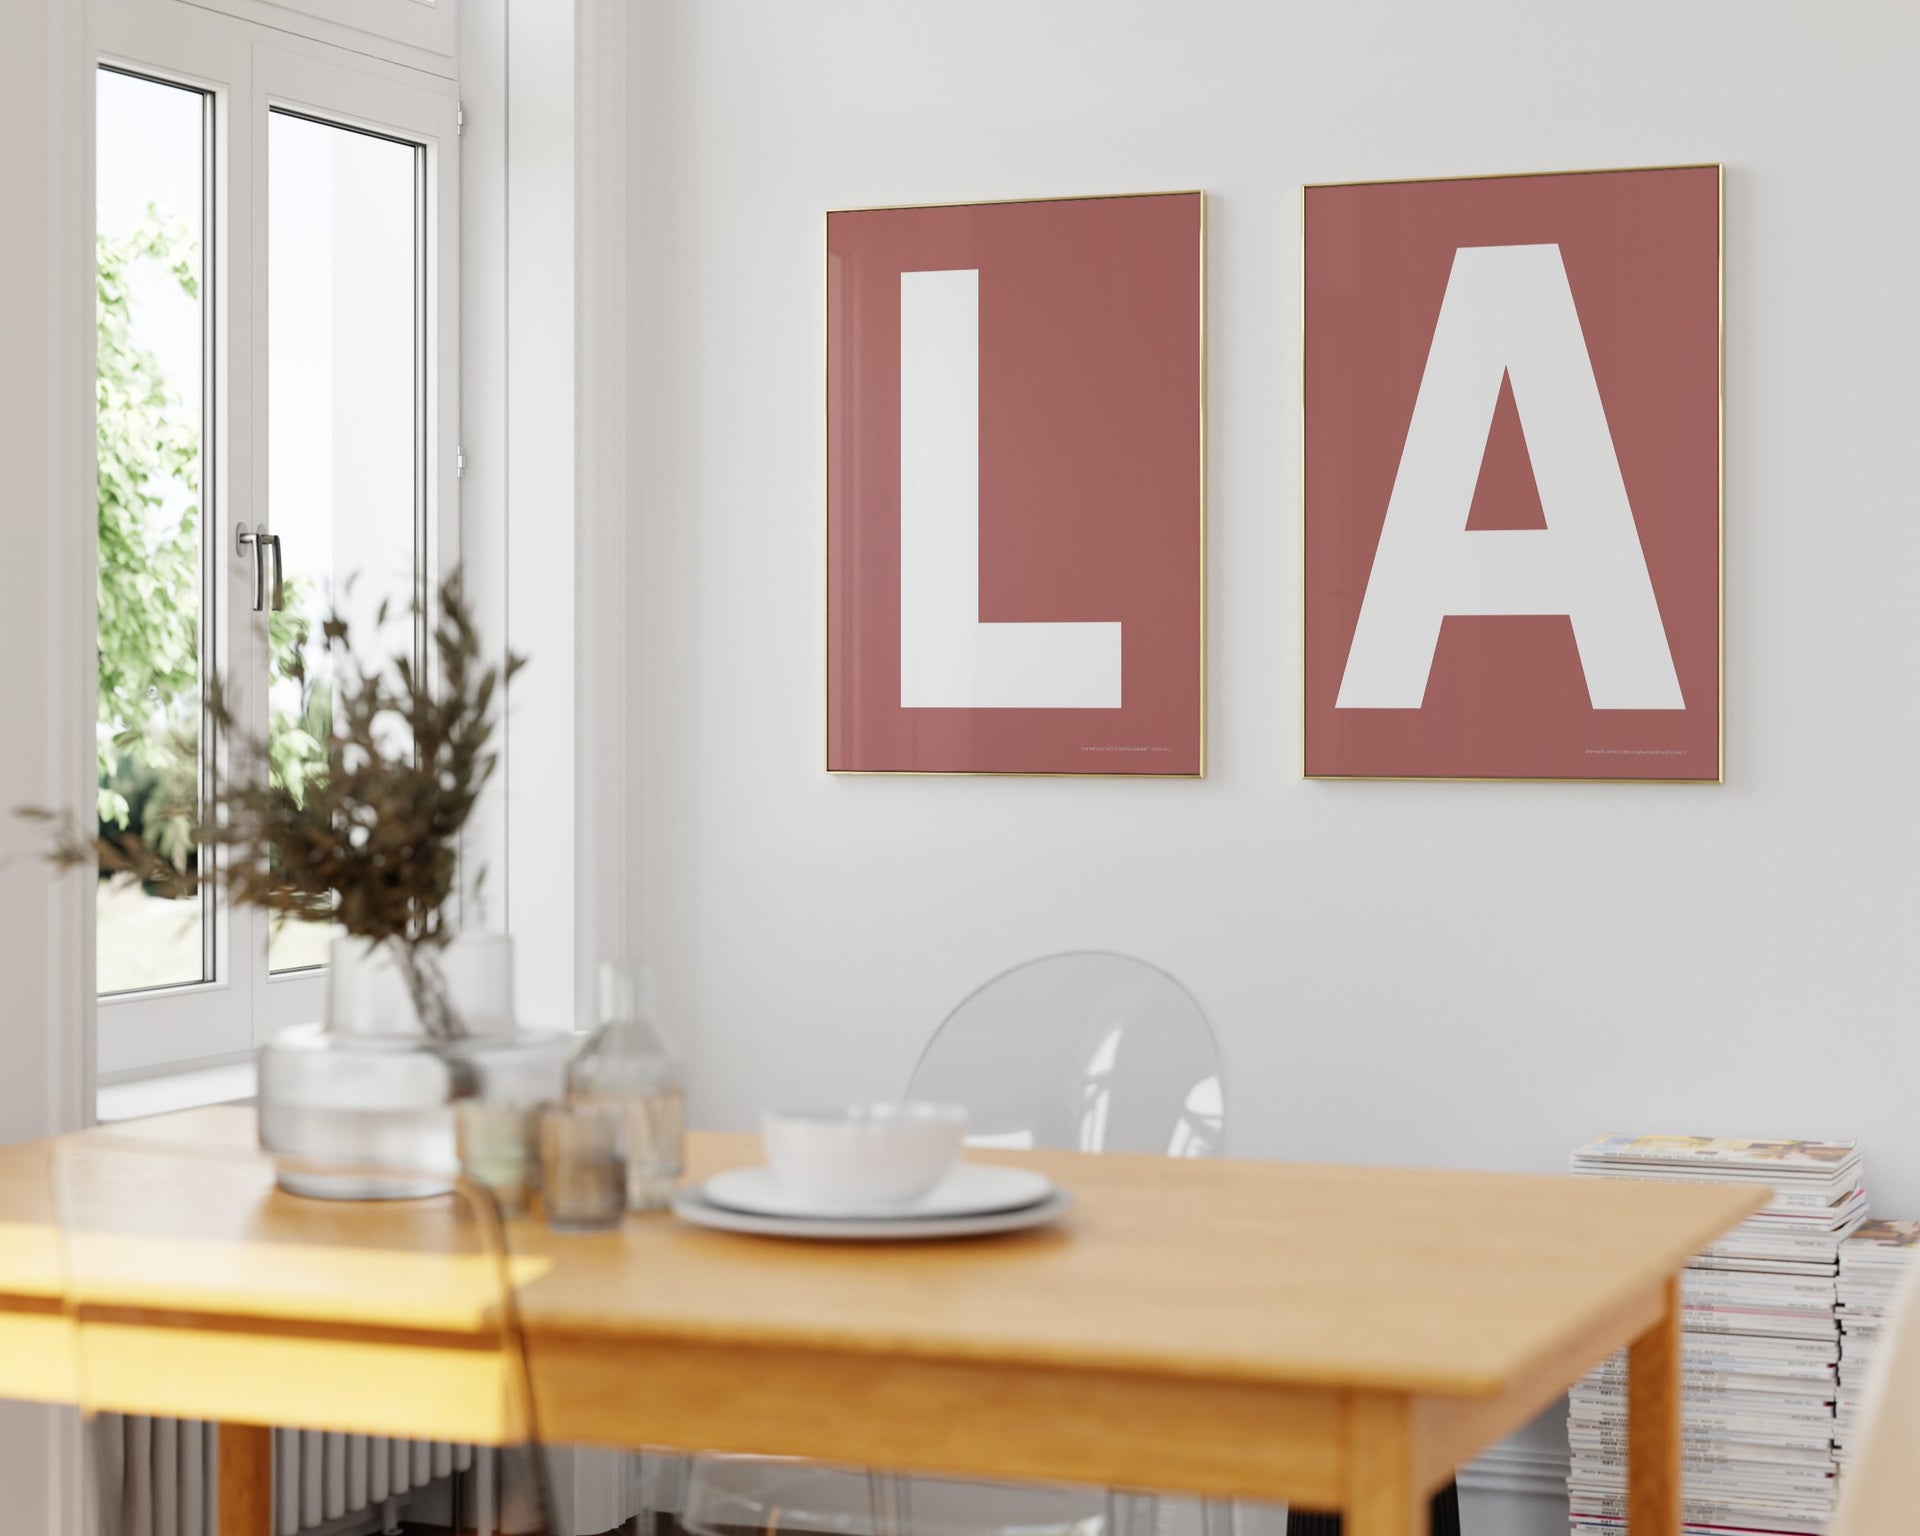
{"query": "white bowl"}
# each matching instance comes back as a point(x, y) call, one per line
point(863, 1154)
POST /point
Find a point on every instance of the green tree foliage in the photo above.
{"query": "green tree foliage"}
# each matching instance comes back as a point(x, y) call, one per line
point(149, 439)
point(372, 844)
point(149, 453)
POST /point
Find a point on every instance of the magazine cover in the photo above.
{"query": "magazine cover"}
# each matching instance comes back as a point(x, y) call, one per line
point(1881, 1233)
point(1724, 1151)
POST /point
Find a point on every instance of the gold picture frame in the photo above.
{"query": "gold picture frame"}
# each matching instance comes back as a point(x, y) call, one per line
point(1720, 756)
point(826, 495)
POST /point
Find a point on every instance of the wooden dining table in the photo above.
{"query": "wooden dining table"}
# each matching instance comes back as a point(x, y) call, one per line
point(1339, 1338)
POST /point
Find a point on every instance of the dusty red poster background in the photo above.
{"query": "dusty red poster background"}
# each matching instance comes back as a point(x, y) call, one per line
point(1506, 697)
point(1090, 464)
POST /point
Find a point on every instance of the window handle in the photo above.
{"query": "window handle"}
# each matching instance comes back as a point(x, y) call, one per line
point(262, 541)
point(255, 536)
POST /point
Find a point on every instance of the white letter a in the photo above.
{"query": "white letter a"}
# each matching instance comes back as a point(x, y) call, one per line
point(1509, 310)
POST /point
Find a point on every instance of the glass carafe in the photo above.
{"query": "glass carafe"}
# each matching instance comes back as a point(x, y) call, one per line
point(629, 1065)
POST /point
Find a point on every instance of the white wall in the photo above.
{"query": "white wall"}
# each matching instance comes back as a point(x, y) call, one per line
point(517, 77)
point(542, 83)
point(1461, 974)
point(46, 618)
point(541, 813)
point(543, 539)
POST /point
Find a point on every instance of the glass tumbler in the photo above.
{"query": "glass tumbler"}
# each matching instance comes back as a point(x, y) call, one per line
point(582, 1169)
point(496, 1143)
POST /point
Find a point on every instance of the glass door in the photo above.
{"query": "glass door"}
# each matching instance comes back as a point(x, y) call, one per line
point(355, 200)
point(174, 326)
point(277, 397)
point(155, 342)
point(345, 397)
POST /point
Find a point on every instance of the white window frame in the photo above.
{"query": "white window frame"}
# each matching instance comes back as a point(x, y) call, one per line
point(249, 70)
point(429, 27)
point(143, 1030)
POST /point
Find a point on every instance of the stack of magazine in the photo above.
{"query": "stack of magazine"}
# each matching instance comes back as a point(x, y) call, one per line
point(1874, 1261)
point(1761, 1344)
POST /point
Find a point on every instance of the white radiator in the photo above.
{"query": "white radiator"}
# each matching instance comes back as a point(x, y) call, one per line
point(320, 1478)
point(157, 1476)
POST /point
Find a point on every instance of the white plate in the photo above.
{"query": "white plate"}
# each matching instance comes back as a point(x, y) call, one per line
point(693, 1206)
point(972, 1189)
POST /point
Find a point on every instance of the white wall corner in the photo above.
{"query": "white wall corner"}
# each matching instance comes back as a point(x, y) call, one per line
point(603, 782)
point(544, 419)
point(47, 584)
point(47, 627)
point(544, 422)
point(601, 1483)
point(537, 456)
point(483, 414)
point(48, 444)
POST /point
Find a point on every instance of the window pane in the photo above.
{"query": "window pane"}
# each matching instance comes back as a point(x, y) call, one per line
point(151, 189)
point(344, 398)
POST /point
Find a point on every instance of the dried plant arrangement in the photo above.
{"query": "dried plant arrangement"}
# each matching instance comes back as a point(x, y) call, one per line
point(370, 844)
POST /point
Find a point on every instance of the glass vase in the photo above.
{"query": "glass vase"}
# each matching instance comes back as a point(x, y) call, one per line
point(629, 1067)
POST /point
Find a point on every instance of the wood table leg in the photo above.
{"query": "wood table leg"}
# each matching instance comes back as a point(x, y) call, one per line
point(245, 1504)
point(1382, 1498)
point(1653, 1424)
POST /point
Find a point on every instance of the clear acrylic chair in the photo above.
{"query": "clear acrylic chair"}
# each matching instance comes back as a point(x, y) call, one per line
point(198, 1294)
point(1085, 1052)
point(1090, 1052)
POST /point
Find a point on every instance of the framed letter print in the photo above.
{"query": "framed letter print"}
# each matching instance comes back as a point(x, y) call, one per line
point(1513, 477)
point(1014, 505)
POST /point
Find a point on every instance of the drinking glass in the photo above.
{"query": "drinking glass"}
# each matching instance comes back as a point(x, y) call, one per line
point(497, 1150)
point(582, 1170)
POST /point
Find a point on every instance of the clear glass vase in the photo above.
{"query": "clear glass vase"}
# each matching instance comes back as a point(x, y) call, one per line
point(629, 1066)
point(374, 1086)
point(365, 1100)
